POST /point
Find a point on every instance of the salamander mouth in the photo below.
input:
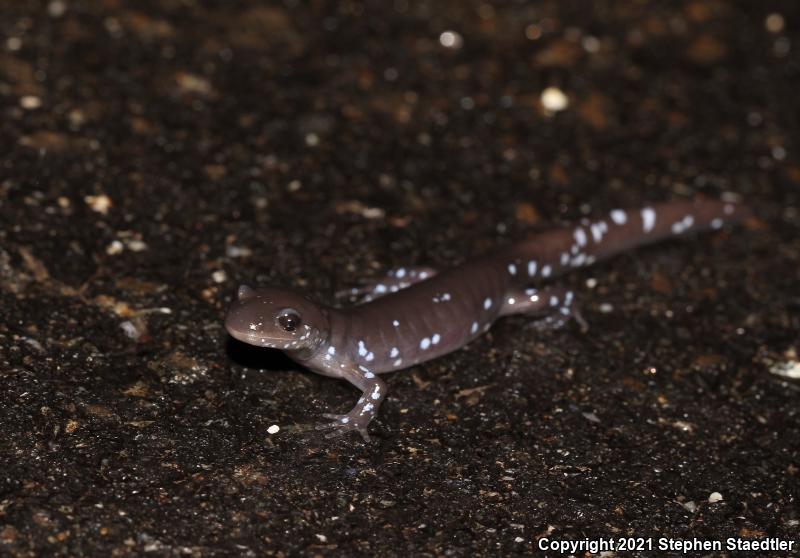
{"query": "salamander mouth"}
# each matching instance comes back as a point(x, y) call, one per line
point(252, 339)
point(260, 340)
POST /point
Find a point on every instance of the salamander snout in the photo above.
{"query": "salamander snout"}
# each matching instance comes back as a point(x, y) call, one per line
point(277, 318)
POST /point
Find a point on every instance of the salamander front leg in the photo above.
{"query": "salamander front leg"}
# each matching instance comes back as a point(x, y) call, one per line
point(394, 281)
point(358, 419)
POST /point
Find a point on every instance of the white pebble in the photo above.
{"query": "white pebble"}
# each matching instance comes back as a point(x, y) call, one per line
point(553, 99)
point(30, 102)
point(101, 204)
point(116, 247)
point(451, 39)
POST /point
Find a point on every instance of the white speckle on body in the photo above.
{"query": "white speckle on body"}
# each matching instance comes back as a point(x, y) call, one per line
point(398, 362)
point(512, 300)
point(425, 343)
point(487, 303)
point(553, 301)
point(395, 323)
point(369, 375)
point(436, 338)
point(370, 356)
point(380, 288)
point(331, 350)
point(474, 327)
point(546, 270)
point(580, 237)
point(344, 420)
point(648, 219)
point(532, 268)
point(400, 273)
point(619, 216)
point(394, 352)
point(598, 229)
point(716, 223)
point(512, 269)
point(564, 258)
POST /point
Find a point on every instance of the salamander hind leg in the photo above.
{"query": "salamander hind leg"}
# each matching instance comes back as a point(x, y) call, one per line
point(394, 281)
point(554, 305)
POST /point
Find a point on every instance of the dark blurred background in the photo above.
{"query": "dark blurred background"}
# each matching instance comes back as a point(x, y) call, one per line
point(153, 155)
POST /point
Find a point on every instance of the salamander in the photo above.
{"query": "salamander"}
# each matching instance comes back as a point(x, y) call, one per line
point(417, 314)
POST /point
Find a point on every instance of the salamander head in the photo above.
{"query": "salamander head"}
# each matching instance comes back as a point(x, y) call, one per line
point(277, 318)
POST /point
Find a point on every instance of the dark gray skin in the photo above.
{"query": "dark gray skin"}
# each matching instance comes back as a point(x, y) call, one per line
point(416, 314)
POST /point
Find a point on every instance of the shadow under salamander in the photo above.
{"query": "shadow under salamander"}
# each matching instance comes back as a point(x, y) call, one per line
point(258, 358)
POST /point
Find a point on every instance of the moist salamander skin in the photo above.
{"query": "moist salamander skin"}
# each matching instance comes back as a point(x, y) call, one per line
point(417, 314)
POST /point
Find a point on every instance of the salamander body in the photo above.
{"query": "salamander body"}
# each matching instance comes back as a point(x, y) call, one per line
point(417, 314)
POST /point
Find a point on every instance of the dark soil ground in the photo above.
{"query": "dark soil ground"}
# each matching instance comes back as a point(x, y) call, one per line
point(156, 154)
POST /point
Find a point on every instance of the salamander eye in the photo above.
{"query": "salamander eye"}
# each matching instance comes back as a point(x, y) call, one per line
point(289, 320)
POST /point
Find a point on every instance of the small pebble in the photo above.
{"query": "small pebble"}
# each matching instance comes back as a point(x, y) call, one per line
point(137, 246)
point(30, 102)
point(774, 23)
point(451, 39)
point(786, 369)
point(312, 140)
point(554, 100)
point(274, 429)
point(130, 330)
point(101, 204)
point(219, 276)
point(116, 247)
point(56, 8)
point(714, 497)
point(238, 251)
point(591, 417)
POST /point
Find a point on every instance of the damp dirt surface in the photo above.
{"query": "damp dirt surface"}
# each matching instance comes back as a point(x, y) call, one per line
point(155, 155)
